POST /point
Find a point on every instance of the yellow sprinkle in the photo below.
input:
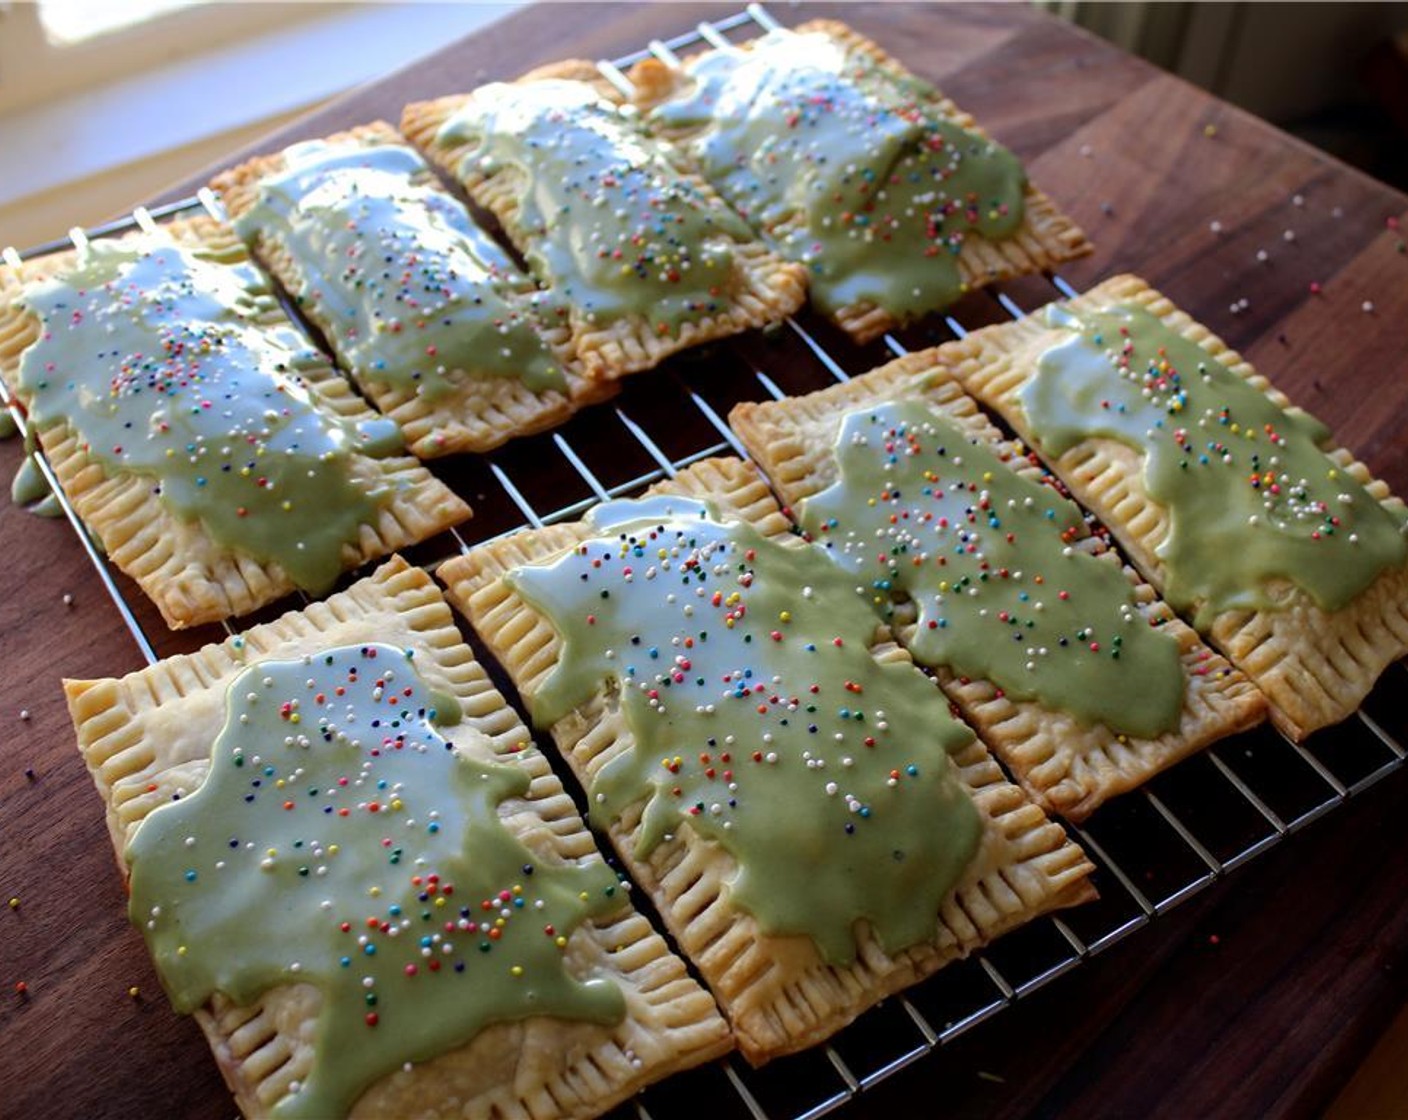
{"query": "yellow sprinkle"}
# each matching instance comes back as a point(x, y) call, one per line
point(785, 616)
point(500, 922)
point(1334, 473)
point(517, 889)
point(134, 991)
point(14, 904)
point(440, 901)
point(1209, 130)
point(516, 970)
point(584, 896)
point(396, 804)
point(279, 783)
point(560, 941)
point(180, 950)
point(333, 849)
point(375, 892)
point(271, 851)
point(729, 623)
point(870, 501)
point(987, 476)
point(287, 506)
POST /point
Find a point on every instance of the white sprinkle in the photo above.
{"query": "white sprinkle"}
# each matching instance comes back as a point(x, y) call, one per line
point(1367, 306)
point(1289, 235)
point(1215, 226)
point(24, 713)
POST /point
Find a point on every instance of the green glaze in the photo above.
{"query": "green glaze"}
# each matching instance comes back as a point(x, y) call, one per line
point(605, 218)
point(151, 353)
point(846, 168)
point(760, 718)
point(923, 509)
point(30, 488)
point(1251, 498)
point(408, 286)
point(340, 841)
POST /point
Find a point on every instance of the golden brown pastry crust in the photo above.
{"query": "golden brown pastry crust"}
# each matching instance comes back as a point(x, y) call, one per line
point(481, 411)
point(777, 991)
point(767, 289)
point(148, 736)
point(1046, 237)
point(1065, 766)
point(191, 578)
point(1315, 666)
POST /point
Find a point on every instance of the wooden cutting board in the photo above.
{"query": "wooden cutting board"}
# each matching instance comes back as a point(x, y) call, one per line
point(1257, 998)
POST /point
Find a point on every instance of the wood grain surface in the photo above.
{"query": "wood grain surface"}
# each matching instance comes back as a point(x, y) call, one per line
point(1257, 998)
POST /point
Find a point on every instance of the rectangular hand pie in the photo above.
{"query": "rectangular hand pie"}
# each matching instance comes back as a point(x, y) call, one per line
point(1071, 670)
point(430, 317)
point(637, 256)
point(892, 197)
point(353, 867)
point(221, 462)
point(1238, 506)
point(815, 828)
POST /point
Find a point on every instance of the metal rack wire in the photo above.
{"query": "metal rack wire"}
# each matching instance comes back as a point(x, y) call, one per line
point(1154, 849)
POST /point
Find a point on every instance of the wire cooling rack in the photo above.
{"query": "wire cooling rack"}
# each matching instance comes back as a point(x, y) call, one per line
point(1154, 848)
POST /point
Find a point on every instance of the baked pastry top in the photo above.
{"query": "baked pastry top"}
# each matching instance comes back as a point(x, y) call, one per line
point(815, 828)
point(842, 160)
point(635, 254)
point(1236, 505)
point(1073, 672)
point(431, 318)
point(221, 462)
point(353, 867)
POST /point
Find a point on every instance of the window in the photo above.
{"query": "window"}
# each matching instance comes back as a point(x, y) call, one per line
point(71, 21)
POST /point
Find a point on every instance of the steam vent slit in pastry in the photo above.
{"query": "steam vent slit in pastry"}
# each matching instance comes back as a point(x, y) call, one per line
point(1073, 672)
point(425, 311)
point(814, 826)
point(1237, 505)
point(220, 461)
point(637, 257)
point(845, 162)
point(352, 866)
